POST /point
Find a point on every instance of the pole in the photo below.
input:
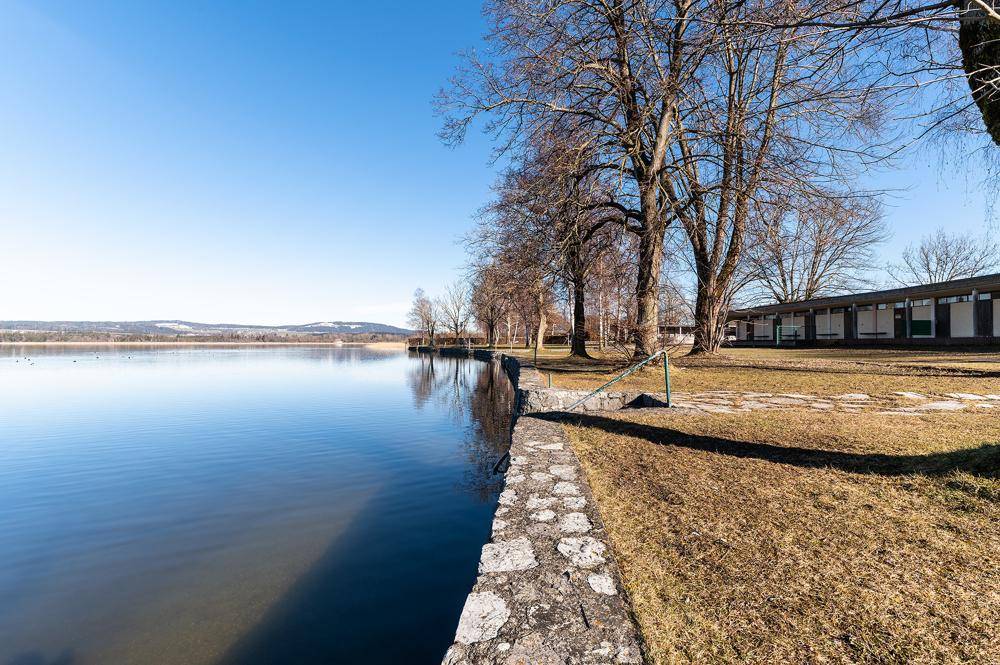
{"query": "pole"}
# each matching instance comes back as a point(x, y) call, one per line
point(666, 375)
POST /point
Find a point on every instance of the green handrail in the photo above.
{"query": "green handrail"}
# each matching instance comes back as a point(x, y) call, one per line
point(630, 370)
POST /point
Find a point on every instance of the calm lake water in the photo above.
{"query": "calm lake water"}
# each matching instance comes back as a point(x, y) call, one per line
point(241, 505)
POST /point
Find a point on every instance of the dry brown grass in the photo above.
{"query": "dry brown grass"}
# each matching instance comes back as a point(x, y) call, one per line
point(794, 536)
point(810, 371)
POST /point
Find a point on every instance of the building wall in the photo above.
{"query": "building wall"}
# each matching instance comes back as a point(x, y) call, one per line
point(961, 320)
point(762, 331)
point(822, 325)
point(885, 322)
point(799, 323)
point(947, 322)
point(830, 326)
point(837, 325)
point(866, 324)
point(922, 313)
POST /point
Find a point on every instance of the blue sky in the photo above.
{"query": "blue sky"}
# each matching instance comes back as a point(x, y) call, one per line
point(259, 162)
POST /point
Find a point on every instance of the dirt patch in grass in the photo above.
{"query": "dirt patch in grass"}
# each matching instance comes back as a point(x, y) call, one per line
point(797, 537)
point(813, 371)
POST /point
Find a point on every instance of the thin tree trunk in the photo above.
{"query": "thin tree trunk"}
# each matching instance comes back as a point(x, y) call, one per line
point(600, 319)
point(540, 334)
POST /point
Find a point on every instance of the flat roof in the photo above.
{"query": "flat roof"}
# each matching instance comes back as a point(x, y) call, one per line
point(953, 287)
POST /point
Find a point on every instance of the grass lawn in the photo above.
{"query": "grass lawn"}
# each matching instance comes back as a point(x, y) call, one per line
point(821, 372)
point(796, 536)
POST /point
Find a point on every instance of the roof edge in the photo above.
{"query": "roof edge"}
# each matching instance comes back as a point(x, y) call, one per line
point(869, 297)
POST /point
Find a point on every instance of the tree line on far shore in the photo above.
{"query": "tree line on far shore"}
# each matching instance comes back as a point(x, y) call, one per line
point(667, 160)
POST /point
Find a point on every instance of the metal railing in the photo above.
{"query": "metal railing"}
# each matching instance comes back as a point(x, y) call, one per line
point(630, 370)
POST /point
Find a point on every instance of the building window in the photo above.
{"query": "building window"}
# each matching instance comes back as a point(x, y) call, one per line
point(985, 296)
point(882, 305)
point(953, 299)
point(864, 308)
point(899, 305)
point(923, 302)
point(837, 310)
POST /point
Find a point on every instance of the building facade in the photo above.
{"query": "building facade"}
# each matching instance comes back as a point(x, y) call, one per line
point(962, 311)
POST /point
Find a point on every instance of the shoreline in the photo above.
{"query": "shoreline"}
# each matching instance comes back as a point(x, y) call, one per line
point(377, 345)
point(549, 588)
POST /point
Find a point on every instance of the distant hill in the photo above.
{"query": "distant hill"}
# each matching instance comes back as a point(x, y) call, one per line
point(190, 328)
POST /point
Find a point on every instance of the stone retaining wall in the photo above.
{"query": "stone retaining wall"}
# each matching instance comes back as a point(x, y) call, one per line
point(549, 589)
point(534, 395)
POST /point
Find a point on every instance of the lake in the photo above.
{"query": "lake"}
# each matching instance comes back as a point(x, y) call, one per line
point(241, 504)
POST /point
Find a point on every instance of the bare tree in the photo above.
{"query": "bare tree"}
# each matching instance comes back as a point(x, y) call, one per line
point(979, 40)
point(563, 209)
point(699, 110)
point(611, 72)
point(942, 256)
point(543, 229)
point(424, 315)
point(611, 291)
point(491, 302)
point(776, 112)
point(919, 40)
point(803, 249)
point(454, 308)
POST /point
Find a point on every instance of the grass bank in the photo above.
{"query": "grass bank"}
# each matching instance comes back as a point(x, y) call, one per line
point(794, 536)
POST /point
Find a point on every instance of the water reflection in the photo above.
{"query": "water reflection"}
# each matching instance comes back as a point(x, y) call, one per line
point(241, 505)
point(472, 392)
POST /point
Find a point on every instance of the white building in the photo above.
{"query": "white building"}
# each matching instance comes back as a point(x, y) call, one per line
point(955, 312)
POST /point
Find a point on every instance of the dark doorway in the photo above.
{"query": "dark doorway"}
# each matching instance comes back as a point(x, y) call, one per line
point(984, 318)
point(899, 324)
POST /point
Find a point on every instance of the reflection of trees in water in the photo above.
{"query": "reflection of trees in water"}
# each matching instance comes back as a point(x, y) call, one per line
point(478, 396)
point(491, 407)
point(439, 380)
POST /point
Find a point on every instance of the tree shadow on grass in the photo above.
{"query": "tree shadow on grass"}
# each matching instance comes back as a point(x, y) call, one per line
point(982, 461)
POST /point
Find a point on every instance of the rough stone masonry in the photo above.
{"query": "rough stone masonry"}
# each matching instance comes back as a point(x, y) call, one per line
point(548, 590)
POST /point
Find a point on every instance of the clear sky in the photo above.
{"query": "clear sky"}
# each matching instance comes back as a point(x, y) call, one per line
point(258, 162)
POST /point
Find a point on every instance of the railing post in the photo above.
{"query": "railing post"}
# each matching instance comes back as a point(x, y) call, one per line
point(666, 375)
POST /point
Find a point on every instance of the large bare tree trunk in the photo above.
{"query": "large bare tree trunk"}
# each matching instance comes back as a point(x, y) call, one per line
point(708, 311)
point(647, 292)
point(579, 347)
